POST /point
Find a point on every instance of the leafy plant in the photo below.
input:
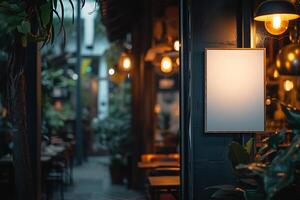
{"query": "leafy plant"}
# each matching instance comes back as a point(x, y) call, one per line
point(114, 131)
point(54, 77)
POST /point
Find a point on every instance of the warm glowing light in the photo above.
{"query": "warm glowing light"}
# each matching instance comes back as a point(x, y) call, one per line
point(178, 61)
point(166, 65)
point(277, 25)
point(297, 51)
point(111, 71)
point(276, 74)
point(157, 108)
point(276, 22)
point(288, 85)
point(268, 102)
point(291, 56)
point(126, 63)
point(278, 63)
point(176, 45)
point(287, 64)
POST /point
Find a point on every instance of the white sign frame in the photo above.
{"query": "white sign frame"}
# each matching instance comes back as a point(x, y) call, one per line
point(227, 103)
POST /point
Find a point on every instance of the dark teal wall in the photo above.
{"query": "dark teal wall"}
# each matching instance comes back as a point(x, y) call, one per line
point(213, 23)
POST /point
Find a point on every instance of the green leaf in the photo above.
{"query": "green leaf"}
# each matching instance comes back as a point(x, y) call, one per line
point(45, 13)
point(238, 154)
point(24, 27)
point(249, 146)
point(24, 40)
point(276, 139)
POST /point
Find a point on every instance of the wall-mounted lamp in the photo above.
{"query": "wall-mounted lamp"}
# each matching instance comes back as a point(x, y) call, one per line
point(276, 15)
point(166, 65)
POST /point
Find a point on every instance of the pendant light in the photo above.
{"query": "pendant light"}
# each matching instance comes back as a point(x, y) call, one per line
point(166, 65)
point(276, 15)
point(125, 62)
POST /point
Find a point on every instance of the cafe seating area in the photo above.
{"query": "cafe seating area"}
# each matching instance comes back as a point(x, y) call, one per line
point(150, 100)
point(162, 173)
point(57, 162)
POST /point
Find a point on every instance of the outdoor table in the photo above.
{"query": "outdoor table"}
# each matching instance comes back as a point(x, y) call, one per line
point(163, 184)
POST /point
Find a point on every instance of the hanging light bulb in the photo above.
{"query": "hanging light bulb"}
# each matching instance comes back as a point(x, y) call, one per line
point(288, 85)
point(276, 15)
point(126, 63)
point(111, 71)
point(176, 45)
point(166, 65)
point(277, 25)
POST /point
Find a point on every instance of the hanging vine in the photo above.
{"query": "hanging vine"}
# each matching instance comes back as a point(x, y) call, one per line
point(24, 22)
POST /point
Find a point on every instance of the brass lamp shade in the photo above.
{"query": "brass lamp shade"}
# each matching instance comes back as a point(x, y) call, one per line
point(267, 9)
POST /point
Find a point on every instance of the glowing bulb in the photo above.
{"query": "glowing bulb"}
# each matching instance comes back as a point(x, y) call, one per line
point(277, 25)
point(126, 63)
point(176, 45)
point(276, 22)
point(166, 65)
point(278, 64)
point(276, 74)
point(291, 56)
point(178, 61)
point(288, 85)
point(111, 71)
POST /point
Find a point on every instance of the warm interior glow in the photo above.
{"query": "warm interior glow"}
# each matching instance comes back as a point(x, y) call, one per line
point(111, 71)
point(291, 56)
point(288, 85)
point(166, 65)
point(178, 61)
point(283, 16)
point(176, 45)
point(278, 64)
point(276, 74)
point(126, 63)
point(278, 23)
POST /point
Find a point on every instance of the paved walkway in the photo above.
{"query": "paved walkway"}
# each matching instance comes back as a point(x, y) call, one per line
point(92, 182)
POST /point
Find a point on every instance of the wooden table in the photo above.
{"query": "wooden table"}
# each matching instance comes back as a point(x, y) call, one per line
point(164, 184)
point(155, 164)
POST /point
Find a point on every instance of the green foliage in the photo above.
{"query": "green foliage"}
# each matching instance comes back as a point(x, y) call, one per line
point(115, 131)
point(18, 16)
point(54, 77)
point(112, 55)
point(238, 154)
point(276, 168)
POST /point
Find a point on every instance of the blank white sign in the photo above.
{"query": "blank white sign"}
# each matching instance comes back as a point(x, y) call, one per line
point(235, 90)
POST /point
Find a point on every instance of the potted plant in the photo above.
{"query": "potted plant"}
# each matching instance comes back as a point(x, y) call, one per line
point(273, 173)
point(114, 130)
point(114, 135)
